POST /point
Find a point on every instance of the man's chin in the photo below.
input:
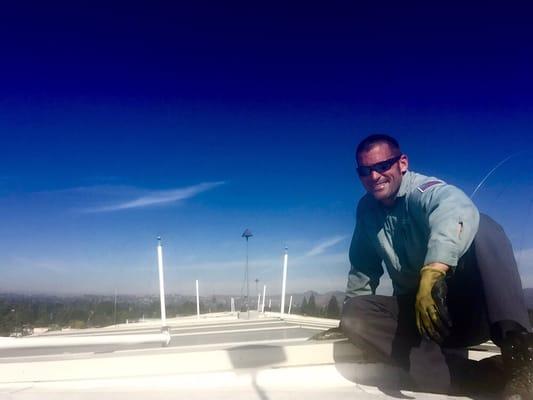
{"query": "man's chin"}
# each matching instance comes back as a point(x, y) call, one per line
point(380, 195)
point(384, 198)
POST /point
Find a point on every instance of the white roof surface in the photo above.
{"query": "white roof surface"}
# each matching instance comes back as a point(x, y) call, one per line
point(215, 357)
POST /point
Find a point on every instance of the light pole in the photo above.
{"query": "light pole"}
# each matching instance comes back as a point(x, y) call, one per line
point(264, 295)
point(247, 234)
point(164, 327)
point(284, 281)
point(257, 292)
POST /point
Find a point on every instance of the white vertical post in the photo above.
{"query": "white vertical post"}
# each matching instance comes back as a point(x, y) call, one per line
point(197, 300)
point(258, 300)
point(232, 305)
point(161, 283)
point(270, 304)
point(115, 309)
point(290, 305)
point(284, 282)
point(264, 294)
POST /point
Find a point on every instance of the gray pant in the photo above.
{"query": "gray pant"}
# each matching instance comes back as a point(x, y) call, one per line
point(485, 300)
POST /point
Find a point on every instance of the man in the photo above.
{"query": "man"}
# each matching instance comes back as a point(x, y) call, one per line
point(453, 272)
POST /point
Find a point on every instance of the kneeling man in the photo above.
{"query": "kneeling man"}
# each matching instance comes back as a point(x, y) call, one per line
point(453, 272)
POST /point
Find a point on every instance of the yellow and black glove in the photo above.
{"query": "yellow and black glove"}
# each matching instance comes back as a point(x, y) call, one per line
point(432, 317)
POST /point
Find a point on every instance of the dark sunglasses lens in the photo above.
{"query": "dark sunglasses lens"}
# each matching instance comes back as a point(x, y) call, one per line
point(379, 167)
point(383, 166)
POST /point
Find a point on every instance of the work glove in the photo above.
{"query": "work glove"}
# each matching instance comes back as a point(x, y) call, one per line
point(432, 317)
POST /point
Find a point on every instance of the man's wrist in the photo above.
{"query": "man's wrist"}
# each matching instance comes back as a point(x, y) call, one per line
point(438, 266)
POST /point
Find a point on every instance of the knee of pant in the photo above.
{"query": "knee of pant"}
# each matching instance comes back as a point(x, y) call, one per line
point(355, 305)
point(352, 326)
point(354, 312)
point(488, 228)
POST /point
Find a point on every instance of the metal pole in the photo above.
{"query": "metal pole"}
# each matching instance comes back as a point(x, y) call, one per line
point(264, 294)
point(197, 301)
point(284, 281)
point(247, 234)
point(290, 305)
point(258, 300)
point(247, 283)
point(232, 305)
point(161, 283)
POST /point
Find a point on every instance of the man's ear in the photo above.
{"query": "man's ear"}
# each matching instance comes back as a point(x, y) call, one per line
point(404, 164)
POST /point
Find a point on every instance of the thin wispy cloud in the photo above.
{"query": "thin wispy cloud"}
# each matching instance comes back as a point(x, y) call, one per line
point(56, 266)
point(157, 198)
point(324, 245)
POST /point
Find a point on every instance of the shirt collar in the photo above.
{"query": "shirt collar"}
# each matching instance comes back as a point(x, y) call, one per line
point(404, 185)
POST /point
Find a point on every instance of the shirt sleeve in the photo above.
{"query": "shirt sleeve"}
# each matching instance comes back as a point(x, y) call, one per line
point(366, 268)
point(452, 219)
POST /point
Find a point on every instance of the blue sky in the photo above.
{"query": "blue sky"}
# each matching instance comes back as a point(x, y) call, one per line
point(123, 122)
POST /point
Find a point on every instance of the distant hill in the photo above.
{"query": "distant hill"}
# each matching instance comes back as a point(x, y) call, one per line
point(321, 299)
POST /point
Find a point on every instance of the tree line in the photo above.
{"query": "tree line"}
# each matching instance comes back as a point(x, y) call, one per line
point(20, 315)
point(310, 308)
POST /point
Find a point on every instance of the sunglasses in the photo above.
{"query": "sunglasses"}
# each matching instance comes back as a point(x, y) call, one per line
point(380, 167)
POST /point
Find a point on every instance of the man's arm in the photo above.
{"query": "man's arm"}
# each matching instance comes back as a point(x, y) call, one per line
point(364, 274)
point(366, 268)
point(452, 220)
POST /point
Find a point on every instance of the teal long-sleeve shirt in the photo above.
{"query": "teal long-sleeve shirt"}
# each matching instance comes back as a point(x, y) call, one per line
point(430, 221)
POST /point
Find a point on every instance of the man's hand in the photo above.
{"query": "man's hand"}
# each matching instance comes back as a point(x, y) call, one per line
point(432, 318)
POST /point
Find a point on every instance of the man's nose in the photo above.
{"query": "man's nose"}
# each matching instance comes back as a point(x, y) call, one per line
point(375, 175)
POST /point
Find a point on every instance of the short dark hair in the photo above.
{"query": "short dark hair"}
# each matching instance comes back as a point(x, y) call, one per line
point(370, 141)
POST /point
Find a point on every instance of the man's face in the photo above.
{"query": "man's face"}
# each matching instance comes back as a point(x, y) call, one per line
point(384, 185)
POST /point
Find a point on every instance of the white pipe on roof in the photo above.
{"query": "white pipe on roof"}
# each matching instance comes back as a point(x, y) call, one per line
point(290, 306)
point(284, 282)
point(264, 295)
point(161, 283)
